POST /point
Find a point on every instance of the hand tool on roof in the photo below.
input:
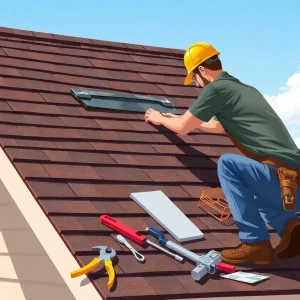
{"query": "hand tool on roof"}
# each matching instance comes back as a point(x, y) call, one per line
point(138, 256)
point(133, 235)
point(103, 256)
point(168, 215)
point(177, 257)
point(208, 263)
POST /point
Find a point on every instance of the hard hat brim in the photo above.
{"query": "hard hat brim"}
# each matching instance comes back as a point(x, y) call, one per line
point(188, 79)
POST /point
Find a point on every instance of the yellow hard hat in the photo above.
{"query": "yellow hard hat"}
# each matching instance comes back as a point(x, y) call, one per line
point(195, 55)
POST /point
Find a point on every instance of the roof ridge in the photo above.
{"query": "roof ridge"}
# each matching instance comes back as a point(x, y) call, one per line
point(106, 51)
point(70, 40)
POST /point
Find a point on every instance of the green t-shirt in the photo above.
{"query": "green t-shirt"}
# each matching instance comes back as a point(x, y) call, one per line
point(247, 116)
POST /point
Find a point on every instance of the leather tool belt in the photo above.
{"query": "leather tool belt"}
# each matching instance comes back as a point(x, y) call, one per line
point(288, 176)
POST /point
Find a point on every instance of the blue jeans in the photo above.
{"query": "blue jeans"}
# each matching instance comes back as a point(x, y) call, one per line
point(253, 194)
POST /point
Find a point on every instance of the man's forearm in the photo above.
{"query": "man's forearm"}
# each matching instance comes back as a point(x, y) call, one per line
point(174, 124)
point(207, 127)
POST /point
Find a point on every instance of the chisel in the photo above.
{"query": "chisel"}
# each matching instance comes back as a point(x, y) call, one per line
point(133, 235)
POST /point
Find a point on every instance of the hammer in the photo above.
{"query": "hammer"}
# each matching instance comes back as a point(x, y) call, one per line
point(209, 263)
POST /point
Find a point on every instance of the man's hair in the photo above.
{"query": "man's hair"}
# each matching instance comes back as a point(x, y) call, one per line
point(213, 64)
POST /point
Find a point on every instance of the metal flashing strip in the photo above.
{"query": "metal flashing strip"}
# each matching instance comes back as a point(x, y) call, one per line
point(123, 102)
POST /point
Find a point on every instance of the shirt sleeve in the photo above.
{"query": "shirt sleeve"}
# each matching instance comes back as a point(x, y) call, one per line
point(207, 105)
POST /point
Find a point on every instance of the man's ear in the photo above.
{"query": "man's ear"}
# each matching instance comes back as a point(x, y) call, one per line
point(202, 70)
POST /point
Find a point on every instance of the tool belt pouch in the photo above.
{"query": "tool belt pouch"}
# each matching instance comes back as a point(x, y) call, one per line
point(288, 185)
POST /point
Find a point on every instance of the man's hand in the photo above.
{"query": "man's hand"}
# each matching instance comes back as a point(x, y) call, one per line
point(181, 125)
point(153, 116)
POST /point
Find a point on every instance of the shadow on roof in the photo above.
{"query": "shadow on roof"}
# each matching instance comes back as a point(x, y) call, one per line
point(207, 173)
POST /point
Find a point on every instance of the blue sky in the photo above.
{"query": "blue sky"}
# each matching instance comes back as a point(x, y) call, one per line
point(258, 40)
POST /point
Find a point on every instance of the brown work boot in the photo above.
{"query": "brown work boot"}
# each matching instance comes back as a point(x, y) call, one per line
point(260, 253)
point(289, 245)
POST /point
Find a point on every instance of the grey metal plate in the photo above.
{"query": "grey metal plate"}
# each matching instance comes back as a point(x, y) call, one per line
point(123, 102)
point(168, 215)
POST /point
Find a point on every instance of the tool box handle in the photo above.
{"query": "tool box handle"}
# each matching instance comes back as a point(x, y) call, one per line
point(123, 229)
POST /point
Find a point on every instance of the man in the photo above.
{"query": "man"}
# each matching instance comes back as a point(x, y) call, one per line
point(260, 187)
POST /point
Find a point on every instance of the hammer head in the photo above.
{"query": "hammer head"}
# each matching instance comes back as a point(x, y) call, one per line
point(105, 254)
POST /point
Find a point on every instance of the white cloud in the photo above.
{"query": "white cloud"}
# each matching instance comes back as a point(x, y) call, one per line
point(287, 105)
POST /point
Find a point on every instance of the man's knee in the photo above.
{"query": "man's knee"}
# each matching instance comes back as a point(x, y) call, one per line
point(227, 162)
point(234, 165)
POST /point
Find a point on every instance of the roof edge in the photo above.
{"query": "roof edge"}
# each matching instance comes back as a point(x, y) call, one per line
point(59, 254)
point(78, 41)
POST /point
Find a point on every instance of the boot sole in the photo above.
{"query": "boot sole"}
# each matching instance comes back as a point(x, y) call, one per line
point(258, 262)
point(291, 247)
